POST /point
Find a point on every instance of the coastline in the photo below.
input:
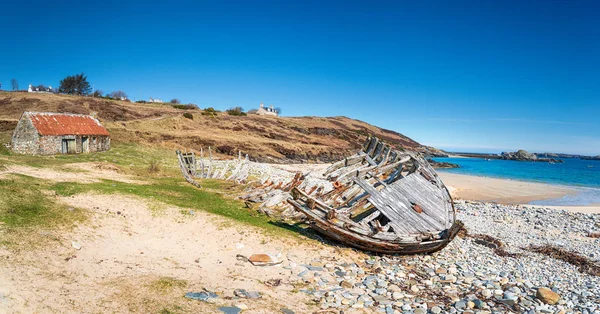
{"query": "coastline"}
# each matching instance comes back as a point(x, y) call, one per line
point(486, 189)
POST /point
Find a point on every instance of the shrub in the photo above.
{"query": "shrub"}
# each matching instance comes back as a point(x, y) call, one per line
point(154, 166)
point(226, 149)
point(188, 115)
point(210, 111)
point(236, 111)
point(185, 107)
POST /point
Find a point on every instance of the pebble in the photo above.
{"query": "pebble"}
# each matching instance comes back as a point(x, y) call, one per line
point(470, 275)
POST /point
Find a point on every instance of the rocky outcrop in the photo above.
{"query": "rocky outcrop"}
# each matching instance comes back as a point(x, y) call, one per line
point(591, 157)
point(523, 155)
point(442, 164)
point(429, 151)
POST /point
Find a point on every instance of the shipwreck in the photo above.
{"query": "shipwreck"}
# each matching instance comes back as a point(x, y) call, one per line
point(380, 199)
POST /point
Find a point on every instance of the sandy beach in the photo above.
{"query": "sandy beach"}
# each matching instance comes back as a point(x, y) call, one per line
point(508, 191)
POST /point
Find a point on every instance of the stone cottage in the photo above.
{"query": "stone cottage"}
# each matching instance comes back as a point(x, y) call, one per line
point(46, 133)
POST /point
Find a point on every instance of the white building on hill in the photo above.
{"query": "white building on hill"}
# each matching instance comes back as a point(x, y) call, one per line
point(264, 111)
point(33, 89)
point(155, 100)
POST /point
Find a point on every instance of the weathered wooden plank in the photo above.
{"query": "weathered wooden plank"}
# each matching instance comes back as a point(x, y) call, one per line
point(372, 145)
point(419, 191)
point(397, 218)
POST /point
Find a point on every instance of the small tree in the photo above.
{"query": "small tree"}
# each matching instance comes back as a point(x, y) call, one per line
point(98, 93)
point(15, 84)
point(236, 111)
point(175, 101)
point(75, 85)
point(278, 110)
point(118, 94)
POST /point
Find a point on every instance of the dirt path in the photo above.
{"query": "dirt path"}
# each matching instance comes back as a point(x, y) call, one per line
point(143, 257)
point(87, 172)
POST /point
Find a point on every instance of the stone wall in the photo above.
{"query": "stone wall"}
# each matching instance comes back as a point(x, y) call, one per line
point(50, 145)
point(100, 144)
point(25, 139)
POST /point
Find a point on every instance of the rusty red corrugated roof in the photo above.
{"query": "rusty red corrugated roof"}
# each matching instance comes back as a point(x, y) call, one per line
point(65, 124)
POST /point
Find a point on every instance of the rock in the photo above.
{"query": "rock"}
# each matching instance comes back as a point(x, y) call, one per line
point(76, 245)
point(487, 293)
point(547, 296)
point(201, 296)
point(287, 311)
point(242, 306)
point(510, 302)
point(420, 311)
point(242, 293)
point(478, 304)
point(346, 284)
point(460, 305)
point(230, 309)
point(436, 310)
point(470, 305)
point(263, 260)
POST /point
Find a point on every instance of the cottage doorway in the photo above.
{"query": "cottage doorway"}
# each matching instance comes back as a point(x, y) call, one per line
point(85, 144)
point(68, 146)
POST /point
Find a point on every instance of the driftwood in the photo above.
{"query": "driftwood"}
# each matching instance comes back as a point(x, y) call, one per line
point(381, 199)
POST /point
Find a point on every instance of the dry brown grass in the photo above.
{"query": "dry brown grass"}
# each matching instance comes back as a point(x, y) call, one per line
point(263, 138)
point(154, 167)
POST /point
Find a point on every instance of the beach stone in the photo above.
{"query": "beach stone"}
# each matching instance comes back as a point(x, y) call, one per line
point(346, 284)
point(242, 306)
point(460, 305)
point(436, 310)
point(547, 296)
point(478, 304)
point(230, 309)
point(487, 293)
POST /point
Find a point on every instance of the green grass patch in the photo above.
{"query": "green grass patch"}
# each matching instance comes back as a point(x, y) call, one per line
point(175, 191)
point(23, 203)
point(132, 158)
point(167, 284)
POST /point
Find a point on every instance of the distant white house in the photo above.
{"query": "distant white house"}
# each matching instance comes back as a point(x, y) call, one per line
point(264, 111)
point(32, 89)
point(155, 100)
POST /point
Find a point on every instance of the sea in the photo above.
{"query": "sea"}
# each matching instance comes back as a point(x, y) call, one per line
point(584, 175)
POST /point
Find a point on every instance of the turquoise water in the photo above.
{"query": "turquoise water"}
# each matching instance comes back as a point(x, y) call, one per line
point(582, 174)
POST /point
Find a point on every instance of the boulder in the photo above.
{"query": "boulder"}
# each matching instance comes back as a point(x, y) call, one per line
point(547, 296)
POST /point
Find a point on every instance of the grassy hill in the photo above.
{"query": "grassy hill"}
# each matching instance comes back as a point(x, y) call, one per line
point(263, 138)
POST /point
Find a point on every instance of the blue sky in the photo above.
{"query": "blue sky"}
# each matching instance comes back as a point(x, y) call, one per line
point(482, 76)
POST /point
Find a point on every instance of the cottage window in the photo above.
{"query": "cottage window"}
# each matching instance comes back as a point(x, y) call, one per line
point(93, 139)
